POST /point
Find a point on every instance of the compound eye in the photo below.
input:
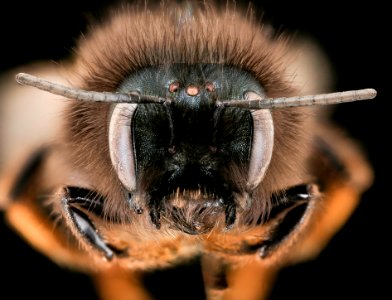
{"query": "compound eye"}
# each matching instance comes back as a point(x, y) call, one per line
point(174, 87)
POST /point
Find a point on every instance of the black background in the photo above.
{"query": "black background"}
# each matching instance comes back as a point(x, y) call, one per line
point(357, 262)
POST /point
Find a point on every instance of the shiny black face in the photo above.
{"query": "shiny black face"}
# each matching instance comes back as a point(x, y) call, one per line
point(191, 145)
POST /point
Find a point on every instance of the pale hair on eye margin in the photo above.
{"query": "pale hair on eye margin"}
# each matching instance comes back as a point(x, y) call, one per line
point(265, 103)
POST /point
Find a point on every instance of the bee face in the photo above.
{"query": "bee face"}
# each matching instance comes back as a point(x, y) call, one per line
point(188, 166)
point(150, 185)
point(184, 149)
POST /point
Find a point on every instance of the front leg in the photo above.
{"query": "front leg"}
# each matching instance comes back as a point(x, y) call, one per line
point(119, 284)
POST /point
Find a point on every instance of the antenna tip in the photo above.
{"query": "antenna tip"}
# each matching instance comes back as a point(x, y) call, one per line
point(21, 78)
point(372, 93)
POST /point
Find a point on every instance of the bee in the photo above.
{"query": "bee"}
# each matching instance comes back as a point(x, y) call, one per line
point(177, 133)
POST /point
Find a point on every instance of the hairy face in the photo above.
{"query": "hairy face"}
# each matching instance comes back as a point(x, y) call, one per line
point(182, 138)
point(167, 150)
point(158, 181)
point(189, 168)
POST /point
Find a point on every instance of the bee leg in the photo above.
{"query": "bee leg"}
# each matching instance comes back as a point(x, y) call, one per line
point(74, 201)
point(23, 178)
point(25, 187)
point(228, 280)
point(119, 284)
point(29, 170)
point(252, 280)
point(214, 270)
point(344, 175)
